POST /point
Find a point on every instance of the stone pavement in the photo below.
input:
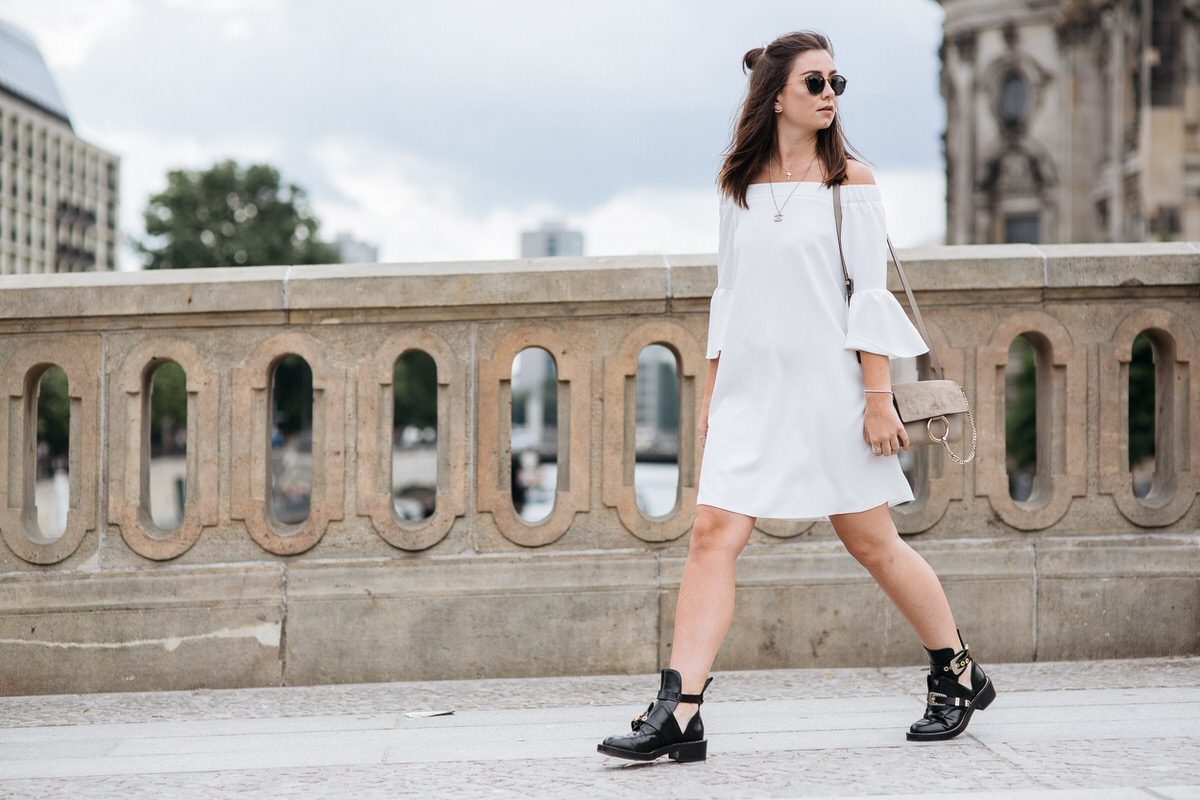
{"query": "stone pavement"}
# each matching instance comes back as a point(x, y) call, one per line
point(1096, 730)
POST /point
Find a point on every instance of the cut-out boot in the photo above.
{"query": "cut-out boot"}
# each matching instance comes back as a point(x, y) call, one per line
point(656, 731)
point(949, 704)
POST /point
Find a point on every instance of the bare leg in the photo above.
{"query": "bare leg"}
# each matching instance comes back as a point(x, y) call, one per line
point(902, 573)
point(704, 609)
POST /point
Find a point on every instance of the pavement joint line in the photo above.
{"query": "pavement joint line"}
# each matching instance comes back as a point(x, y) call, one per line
point(1120, 729)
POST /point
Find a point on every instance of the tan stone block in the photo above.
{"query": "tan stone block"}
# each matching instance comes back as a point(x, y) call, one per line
point(469, 618)
point(159, 629)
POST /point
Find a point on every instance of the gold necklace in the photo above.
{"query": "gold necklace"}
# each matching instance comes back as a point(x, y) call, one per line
point(779, 208)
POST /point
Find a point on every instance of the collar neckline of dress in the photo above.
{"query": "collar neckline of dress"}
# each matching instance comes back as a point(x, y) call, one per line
point(850, 186)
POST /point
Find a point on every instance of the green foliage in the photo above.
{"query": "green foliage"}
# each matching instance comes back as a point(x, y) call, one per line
point(53, 411)
point(230, 216)
point(168, 399)
point(519, 398)
point(1141, 400)
point(550, 393)
point(414, 388)
point(292, 395)
point(1020, 424)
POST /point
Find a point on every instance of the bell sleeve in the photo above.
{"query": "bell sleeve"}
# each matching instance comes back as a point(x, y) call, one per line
point(718, 308)
point(875, 321)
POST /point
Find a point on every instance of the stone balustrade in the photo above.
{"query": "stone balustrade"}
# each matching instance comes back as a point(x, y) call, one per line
point(1082, 569)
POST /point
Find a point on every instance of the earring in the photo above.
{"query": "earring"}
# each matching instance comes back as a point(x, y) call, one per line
point(778, 108)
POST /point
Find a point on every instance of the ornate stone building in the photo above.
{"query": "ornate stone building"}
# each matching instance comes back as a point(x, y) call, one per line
point(1071, 120)
point(58, 193)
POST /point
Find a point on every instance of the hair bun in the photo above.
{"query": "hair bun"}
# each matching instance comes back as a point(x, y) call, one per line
point(752, 56)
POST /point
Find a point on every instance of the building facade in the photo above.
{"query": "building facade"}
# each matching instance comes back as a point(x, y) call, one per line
point(1071, 120)
point(354, 251)
point(58, 193)
point(551, 239)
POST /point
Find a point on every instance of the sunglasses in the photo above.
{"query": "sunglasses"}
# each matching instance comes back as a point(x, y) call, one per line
point(816, 83)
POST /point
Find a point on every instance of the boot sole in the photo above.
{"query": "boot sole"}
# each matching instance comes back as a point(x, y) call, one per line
point(982, 700)
point(680, 751)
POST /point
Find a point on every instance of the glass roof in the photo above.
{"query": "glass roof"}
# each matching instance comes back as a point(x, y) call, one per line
point(23, 72)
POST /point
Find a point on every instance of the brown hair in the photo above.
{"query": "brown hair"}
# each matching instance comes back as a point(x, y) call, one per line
point(753, 141)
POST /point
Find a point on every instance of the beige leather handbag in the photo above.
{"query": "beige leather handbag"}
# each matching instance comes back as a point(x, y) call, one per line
point(931, 410)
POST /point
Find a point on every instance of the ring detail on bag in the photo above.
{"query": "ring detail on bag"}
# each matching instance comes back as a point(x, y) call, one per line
point(945, 433)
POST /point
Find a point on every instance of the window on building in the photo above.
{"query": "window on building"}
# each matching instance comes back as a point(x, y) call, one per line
point(1014, 98)
point(1022, 228)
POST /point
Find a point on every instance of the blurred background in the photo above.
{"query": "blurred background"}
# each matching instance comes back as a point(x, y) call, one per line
point(189, 133)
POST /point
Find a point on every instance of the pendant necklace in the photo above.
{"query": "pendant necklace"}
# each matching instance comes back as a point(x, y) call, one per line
point(779, 208)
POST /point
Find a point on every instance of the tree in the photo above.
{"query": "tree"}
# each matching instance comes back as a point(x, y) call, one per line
point(230, 216)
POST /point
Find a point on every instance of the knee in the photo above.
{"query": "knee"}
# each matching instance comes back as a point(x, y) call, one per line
point(872, 552)
point(712, 535)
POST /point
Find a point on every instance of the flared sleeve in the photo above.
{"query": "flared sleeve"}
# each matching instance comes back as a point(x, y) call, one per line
point(876, 322)
point(718, 307)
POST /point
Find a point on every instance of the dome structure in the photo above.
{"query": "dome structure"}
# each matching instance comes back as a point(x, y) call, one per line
point(24, 74)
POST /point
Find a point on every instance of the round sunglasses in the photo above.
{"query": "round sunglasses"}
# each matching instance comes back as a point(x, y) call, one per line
point(816, 83)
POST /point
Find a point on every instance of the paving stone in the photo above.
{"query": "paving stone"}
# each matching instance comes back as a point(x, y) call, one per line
point(1061, 731)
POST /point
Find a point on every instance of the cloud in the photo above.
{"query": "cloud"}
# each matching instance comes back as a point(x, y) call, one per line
point(648, 219)
point(441, 130)
point(412, 209)
point(914, 204)
point(415, 210)
point(66, 31)
point(410, 206)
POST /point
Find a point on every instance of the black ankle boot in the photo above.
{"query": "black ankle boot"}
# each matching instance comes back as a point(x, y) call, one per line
point(949, 704)
point(656, 732)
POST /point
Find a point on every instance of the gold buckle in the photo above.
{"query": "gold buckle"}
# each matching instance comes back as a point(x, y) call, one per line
point(946, 700)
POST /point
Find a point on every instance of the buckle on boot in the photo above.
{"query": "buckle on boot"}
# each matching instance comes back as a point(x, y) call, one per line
point(946, 700)
point(640, 718)
point(957, 665)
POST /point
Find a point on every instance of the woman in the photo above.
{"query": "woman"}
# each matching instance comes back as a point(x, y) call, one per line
point(800, 409)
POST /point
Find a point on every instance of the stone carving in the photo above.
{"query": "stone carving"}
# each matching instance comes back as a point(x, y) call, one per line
point(128, 454)
point(26, 360)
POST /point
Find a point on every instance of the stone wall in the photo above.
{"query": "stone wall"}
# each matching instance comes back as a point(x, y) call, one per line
point(1084, 569)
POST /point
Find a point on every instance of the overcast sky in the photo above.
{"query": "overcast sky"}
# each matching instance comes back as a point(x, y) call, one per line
point(440, 130)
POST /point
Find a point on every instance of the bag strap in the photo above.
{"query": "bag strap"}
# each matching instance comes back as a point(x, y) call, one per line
point(935, 362)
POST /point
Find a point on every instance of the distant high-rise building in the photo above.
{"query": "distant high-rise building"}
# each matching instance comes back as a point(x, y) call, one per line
point(551, 239)
point(1071, 120)
point(58, 193)
point(354, 251)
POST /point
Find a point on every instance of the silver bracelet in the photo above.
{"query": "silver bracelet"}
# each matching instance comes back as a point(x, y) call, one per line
point(888, 391)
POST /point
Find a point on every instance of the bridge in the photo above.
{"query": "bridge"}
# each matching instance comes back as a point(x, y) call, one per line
point(1083, 567)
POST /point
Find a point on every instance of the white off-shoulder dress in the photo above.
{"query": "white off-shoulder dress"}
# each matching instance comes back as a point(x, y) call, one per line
point(785, 420)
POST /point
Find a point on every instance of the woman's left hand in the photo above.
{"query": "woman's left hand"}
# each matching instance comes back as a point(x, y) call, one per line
point(882, 428)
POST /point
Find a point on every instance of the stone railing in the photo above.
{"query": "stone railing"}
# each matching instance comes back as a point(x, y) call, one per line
point(1083, 569)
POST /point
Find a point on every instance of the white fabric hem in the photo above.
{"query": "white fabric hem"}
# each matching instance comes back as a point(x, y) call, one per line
point(876, 322)
point(718, 318)
point(806, 516)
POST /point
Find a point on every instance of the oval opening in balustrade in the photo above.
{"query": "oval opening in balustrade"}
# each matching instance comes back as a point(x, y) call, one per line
point(533, 440)
point(290, 471)
point(47, 520)
point(414, 436)
point(656, 431)
point(164, 492)
point(1020, 419)
point(1145, 408)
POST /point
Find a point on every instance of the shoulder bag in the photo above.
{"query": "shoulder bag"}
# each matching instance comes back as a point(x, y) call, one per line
point(923, 406)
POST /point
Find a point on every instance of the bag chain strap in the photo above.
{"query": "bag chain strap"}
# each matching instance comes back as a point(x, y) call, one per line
point(935, 362)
